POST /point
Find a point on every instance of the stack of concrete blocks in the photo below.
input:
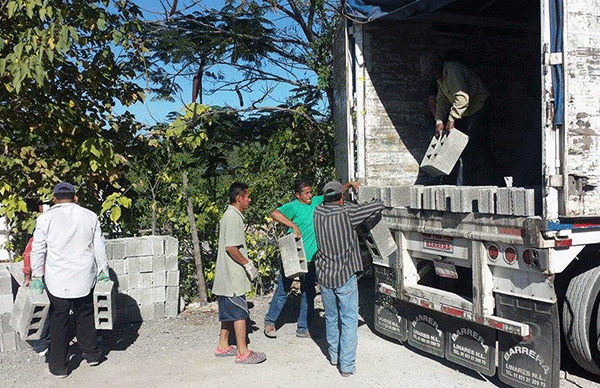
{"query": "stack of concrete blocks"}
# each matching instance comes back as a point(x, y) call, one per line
point(30, 311)
point(104, 306)
point(293, 258)
point(9, 338)
point(443, 152)
point(146, 277)
point(515, 201)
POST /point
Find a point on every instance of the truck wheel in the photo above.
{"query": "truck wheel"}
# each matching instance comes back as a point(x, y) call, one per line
point(579, 318)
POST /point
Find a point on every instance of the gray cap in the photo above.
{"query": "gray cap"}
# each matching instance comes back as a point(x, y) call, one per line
point(64, 188)
point(332, 188)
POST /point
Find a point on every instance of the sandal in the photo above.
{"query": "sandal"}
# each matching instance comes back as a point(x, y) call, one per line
point(251, 357)
point(227, 352)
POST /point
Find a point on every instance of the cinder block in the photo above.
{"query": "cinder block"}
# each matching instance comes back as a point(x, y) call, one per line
point(147, 295)
point(104, 305)
point(9, 341)
point(159, 310)
point(158, 245)
point(530, 202)
point(158, 263)
point(385, 196)
point(136, 295)
point(132, 265)
point(368, 193)
point(109, 250)
point(172, 294)
point(503, 201)
point(6, 303)
point(118, 249)
point(146, 264)
point(118, 266)
point(443, 152)
point(29, 314)
point(522, 202)
point(171, 309)
point(134, 280)
point(4, 324)
point(171, 246)
point(293, 258)
point(416, 197)
point(171, 263)
point(442, 197)
point(487, 199)
point(429, 198)
point(146, 280)
point(160, 294)
point(159, 278)
point(147, 312)
point(5, 282)
point(172, 278)
point(400, 196)
point(122, 282)
point(16, 271)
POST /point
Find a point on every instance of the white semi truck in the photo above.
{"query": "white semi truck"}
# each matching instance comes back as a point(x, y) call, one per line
point(493, 278)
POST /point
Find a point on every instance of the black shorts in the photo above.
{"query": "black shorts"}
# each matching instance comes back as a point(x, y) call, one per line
point(232, 308)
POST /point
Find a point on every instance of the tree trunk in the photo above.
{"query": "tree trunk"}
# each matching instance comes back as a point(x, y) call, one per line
point(196, 244)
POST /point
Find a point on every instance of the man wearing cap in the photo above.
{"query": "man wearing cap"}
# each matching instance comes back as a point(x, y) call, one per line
point(68, 249)
point(338, 261)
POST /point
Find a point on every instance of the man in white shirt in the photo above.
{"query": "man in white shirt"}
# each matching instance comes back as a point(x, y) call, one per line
point(68, 249)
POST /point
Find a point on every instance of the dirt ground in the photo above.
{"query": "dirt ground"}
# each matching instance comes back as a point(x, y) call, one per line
point(178, 352)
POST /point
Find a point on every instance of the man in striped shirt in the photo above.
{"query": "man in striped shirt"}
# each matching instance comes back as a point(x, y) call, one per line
point(338, 260)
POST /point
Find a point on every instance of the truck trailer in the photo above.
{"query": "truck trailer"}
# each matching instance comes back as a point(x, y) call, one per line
point(495, 278)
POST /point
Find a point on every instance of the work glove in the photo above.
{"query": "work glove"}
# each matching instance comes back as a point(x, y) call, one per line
point(103, 277)
point(251, 270)
point(37, 285)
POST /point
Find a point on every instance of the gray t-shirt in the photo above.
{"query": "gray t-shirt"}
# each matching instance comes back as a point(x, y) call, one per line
point(230, 276)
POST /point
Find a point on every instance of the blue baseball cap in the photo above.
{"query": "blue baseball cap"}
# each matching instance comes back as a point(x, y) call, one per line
point(64, 188)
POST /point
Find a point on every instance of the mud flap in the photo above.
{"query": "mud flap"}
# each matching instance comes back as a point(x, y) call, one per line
point(387, 320)
point(426, 329)
point(471, 345)
point(534, 362)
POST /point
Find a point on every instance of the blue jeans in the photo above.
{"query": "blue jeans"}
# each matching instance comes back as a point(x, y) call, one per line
point(307, 299)
point(341, 323)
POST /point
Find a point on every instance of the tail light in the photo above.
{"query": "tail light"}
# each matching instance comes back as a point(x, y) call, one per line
point(510, 255)
point(530, 257)
point(493, 252)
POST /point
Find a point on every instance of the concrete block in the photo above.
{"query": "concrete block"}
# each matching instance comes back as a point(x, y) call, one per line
point(443, 152)
point(122, 282)
point(293, 258)
point(160, 294)
point(159, 278)
point(385, 196)
point(132, 265)
point(172, 278)
point(146, 280)
point(118, 266)
point(146, 264)
point(416, 197)
point(172, 294)
point(400, 196)
point(5, 282)
point(381, 243)
point(530, 202)
point(109, 250)
point(5, 324)
point(6, 303)
point(442, 197)
point(134, 281)
point(368, 193)
point(171, 309)
point(171, 263)
point(523, 202)
point(104, 305)
point(158, 263)
point(29, 314)
point(16, 271)
point(159, 310)
point(171, 246)
point(428, 198)
point(487, 199)
point(118, 249)
point(158, 245)
point(136, 295)
point(503, 201)
point(147, 296)
point(147, 312)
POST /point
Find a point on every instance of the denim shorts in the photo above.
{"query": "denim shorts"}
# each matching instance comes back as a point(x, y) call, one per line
point(232, 308)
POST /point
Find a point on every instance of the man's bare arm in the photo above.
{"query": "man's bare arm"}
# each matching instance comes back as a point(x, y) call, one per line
point(282, 219)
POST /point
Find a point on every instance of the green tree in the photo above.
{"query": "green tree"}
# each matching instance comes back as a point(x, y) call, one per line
point(64, 65)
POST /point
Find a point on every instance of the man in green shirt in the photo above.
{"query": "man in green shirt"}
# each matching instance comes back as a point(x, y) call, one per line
point(298, 216)
point(233, 273)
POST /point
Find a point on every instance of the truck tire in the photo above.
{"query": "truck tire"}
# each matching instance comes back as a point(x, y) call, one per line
point(579, 319)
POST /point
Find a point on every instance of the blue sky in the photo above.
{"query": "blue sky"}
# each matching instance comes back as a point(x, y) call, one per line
point(151, 112)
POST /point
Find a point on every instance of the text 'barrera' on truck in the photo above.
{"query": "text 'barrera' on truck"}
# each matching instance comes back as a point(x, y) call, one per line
point(489, 277)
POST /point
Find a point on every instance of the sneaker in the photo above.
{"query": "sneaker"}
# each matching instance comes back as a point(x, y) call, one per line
point(251, 357)
point(93, 360)
point(346, 374)
point(42, 353)
point(270, 331)
point(59, 374)
point(303, 334)
point(227, 352)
